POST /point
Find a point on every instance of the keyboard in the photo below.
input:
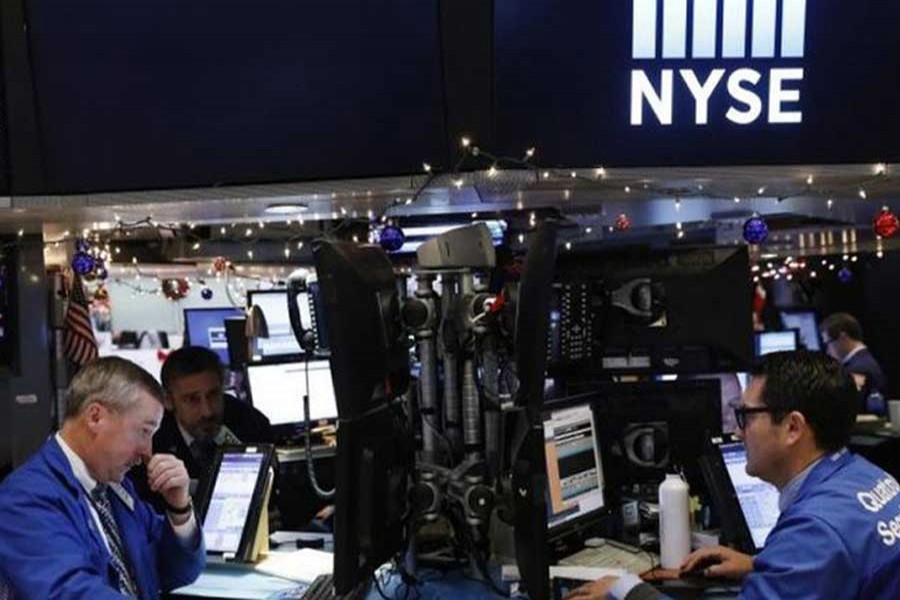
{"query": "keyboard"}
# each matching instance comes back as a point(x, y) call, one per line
point(321, 588)
point(613, 555)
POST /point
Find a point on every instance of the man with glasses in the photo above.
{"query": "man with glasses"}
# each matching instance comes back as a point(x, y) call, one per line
point(838, 535)
point(71, 525)
point(842, 339)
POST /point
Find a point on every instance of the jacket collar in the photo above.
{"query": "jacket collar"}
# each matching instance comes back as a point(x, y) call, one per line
point(827, 466)
point(65, 469)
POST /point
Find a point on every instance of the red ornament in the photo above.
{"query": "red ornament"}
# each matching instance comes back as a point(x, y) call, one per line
point(175, 289)
point(220, 264)
point(622, 222)
point(886, 223)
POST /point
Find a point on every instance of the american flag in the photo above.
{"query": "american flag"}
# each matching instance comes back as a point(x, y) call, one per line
point(79, 344)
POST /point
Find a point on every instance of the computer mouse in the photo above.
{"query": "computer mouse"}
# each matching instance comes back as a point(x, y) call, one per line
point(699, 568)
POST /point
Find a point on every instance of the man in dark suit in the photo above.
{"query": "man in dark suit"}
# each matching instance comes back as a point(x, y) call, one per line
point(842, 337)
point(200, 416)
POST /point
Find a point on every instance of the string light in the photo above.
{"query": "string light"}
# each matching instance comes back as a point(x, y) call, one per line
point(863, 194)
point(600, 172)
point(880, 169)
point(809, 180)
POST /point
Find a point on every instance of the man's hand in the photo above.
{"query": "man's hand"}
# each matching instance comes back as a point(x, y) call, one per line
point(595, 590)
point(718, 561)
point(167, 476)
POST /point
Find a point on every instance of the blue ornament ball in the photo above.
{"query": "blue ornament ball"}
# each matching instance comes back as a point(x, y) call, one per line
point(82, 263)
point(755, 230)
point(206, 293)
point(845, 275)
point(391, 238)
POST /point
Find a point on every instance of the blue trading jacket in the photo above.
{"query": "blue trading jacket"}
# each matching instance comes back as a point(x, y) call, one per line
point(839, 539)
point(50, 546)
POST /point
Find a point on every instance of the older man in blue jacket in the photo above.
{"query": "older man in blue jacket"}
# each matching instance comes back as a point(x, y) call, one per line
point(71, 525)
point(838, 535)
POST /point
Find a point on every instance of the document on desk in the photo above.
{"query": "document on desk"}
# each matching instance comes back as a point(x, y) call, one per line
point(302, 565)
point(511, 572)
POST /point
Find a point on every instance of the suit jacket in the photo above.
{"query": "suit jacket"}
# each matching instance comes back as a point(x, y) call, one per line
point(50, 546)
point(247, 423)
point(864, 363)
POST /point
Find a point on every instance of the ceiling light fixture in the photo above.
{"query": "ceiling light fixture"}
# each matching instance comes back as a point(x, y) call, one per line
point(286, 209)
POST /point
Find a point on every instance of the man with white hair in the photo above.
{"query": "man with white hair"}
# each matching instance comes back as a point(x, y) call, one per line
point(73, 526)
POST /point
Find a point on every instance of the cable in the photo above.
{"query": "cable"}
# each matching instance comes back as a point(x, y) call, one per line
point(310, 468)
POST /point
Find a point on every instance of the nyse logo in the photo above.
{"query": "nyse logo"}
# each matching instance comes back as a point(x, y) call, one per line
point(718, 38)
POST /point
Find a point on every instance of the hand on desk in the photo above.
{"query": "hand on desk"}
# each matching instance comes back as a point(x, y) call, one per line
point(595, 590)
point(715, 561)
point(718, 561)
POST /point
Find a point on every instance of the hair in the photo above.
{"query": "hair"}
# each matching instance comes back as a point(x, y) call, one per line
point(111, 381)
point(813, 385)
point(190, 360)
point(837, 323)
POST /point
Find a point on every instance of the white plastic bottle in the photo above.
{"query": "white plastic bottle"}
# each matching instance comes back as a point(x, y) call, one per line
point(674, 522)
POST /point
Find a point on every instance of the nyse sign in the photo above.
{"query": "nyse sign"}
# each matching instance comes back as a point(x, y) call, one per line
point(722, 33)
point(749, 91)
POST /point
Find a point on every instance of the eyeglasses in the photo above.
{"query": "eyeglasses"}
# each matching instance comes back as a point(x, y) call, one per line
point(741, 412)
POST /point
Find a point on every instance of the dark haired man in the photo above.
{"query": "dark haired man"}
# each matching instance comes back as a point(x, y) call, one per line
point(200, 416)
point(842, 337)
point(838, 535)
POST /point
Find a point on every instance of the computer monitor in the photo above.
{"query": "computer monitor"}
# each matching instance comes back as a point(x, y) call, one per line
point(575, 482)
point(775, 341)
point(747, 506)
point(277, 390)
point(235, 499)
point(206, 327)
point(638, 310)
point(281, 342)
point(376, 447)
point(807, 325)
point(647, 428)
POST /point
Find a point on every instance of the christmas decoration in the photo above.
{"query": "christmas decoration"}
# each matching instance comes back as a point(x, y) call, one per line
point(101, 294)
point(755, 230)
point(391, 238)
point(206, 293)
point(220, 264)
point(622, 222)
point(886, 223)
point(82, 263)
point(845, 275)
point(175, 289)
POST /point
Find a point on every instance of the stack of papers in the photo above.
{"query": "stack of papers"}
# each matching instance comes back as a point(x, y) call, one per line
point(302, 565)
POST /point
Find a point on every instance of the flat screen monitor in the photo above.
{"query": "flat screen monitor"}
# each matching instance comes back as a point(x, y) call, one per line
point(776, 341)
point(641, 310)
point(758, 500)
point(277, 391)
point(575, 484)
point(206, 327)
point(281, 341)
point(807, 325)
point(235, 499)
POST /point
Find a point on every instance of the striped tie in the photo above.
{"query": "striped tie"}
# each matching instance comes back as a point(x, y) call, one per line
point(101, 503)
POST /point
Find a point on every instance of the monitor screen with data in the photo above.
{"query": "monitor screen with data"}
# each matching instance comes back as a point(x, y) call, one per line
point(758, 499)
point(775, 341)
point(277, 391)
point(807, 326)
point(281, 341)
point(234, 502)
point(206, 327)
point(575, 483)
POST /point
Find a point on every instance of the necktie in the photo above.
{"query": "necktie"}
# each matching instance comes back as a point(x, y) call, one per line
point(100, 500)
point(203, 452)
